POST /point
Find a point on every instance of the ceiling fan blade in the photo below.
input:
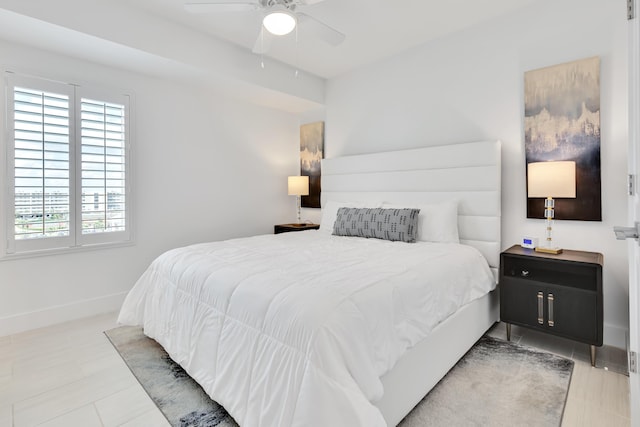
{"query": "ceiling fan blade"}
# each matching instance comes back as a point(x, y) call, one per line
point(308, 2)
point(320, 29)
point(219, 6)
point(263, 42)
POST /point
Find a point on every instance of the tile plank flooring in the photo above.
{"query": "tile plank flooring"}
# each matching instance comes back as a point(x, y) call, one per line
point(597, 396)
point(70, 375)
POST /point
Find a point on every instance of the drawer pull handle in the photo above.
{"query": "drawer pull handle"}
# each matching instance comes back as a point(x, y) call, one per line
point(540, 308)
point(525, 273)
point(550, 300)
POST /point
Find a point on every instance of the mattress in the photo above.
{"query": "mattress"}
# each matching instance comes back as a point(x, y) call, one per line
point(296, 329)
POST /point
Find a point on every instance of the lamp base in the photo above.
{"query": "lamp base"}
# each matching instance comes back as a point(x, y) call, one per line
point(554, 251)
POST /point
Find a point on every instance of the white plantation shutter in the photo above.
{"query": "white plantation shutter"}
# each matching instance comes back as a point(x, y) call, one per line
point(41, 130)
point(103, 134)
point(67, 166)
point(39, 151)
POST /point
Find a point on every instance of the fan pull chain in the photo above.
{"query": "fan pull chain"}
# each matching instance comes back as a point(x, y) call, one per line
point(261, 46)
point(297, 54)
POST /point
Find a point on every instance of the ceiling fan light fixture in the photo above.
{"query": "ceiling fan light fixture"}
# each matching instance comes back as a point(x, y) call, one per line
point(279, 21)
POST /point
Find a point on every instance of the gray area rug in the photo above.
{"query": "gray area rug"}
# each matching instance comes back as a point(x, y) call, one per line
point(179, 398)
point(497, 383)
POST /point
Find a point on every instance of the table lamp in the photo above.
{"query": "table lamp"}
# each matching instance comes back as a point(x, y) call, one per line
point(549, 180)
point(298, 186)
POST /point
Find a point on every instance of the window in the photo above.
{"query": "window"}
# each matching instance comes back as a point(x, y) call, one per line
point(67, 150)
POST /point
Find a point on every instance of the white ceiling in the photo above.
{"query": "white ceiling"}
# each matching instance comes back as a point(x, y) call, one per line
point(375, 29)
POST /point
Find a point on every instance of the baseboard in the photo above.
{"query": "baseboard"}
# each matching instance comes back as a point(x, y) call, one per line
point(59, 314)
point(615, 336)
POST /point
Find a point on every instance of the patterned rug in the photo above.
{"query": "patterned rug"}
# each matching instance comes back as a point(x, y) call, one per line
point(497, 383)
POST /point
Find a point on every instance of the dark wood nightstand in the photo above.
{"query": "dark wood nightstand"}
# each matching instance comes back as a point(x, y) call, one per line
point(557, 294)
point(285, 228)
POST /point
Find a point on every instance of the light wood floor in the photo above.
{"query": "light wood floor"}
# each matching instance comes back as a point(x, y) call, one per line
point(597, 396)
point(70, 375)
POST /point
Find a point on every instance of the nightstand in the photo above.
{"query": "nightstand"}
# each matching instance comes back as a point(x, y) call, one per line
point(285, 228)
point(557, 294)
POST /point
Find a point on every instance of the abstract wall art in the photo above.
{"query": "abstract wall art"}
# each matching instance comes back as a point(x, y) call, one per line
point(562, 122)
point(311, 154)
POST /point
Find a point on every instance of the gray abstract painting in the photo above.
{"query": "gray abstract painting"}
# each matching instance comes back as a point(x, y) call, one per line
point(562, 122)
point(311, 154)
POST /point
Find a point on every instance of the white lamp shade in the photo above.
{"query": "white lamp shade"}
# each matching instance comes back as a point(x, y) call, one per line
point(279, 21)
point(552, 179)
point(298, 185)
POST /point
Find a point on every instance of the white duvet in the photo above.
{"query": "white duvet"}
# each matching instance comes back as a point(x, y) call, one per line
point(296, 329)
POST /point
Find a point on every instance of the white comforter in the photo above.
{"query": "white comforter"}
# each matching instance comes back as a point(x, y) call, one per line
point(296, 329)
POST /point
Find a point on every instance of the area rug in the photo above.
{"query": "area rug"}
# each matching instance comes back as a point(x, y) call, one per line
point(497, 383)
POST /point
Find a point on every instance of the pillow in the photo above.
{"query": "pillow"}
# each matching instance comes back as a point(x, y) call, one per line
point(377, 223)
point(330, 211)
point(437, 222)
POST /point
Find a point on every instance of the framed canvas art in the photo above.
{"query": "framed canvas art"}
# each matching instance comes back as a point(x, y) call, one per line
point(562, 122)
point(311, 154)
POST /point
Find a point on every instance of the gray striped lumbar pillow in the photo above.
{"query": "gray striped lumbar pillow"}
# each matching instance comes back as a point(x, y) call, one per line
point(388, 224)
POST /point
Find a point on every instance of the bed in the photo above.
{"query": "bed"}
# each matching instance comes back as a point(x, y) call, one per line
point(308, 328)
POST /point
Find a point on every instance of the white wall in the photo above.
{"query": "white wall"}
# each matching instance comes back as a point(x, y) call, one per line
point(469, 86)
point(205, 168)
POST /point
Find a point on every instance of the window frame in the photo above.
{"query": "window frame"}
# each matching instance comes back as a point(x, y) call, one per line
point(13, 248)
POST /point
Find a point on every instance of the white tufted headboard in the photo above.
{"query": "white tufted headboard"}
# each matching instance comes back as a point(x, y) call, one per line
point(468, 172)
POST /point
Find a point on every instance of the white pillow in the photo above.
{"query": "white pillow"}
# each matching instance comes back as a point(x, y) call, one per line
point(330, 212)
point(437, 222)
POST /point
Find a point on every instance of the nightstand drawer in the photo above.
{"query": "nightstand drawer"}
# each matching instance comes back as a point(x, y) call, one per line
point(576, 275)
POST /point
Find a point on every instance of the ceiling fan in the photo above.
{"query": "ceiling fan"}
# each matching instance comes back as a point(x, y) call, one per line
point(280, 17)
